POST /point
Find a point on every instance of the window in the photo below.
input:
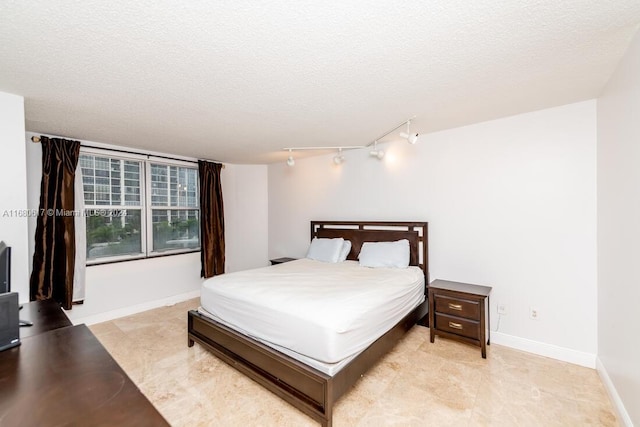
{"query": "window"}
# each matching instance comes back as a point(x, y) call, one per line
point(138, 208)
point(175, 216)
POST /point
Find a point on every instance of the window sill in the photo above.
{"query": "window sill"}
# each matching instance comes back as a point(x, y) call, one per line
point(140, 258)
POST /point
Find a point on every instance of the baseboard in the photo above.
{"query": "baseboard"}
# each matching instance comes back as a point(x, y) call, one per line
point(621, 411)
point(127, 311)
point(543, 349)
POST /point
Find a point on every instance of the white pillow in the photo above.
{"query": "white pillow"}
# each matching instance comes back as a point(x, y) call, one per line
point(344, 252)
point(385, 254)
point(325, 250)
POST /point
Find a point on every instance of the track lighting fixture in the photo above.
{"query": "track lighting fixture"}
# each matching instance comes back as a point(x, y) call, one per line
point(410, 137)
point(379, 154)
point(290, 160)
point(337, 159)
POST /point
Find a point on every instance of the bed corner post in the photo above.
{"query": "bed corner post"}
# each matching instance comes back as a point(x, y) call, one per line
point(190, 342)
point(328, 405)
point(425, 250)
point(314, 227)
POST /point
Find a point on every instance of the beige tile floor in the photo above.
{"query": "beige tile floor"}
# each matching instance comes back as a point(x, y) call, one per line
point(417, 384)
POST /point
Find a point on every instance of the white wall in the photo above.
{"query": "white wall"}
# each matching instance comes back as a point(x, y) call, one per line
point(245, 193)
point(619, 232)
point(13, 191)
point(511, 203)
point(119, 289)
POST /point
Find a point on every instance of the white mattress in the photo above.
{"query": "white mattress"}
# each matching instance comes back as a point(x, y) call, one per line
point(328, 368)
point(314, 310)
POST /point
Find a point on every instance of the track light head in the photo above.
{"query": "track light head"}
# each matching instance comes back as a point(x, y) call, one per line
point(379, 154)
point(291, 161)
point(411, 138)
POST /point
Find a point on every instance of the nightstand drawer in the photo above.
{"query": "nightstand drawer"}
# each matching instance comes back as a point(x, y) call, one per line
point(457, 307)
point(457, 325)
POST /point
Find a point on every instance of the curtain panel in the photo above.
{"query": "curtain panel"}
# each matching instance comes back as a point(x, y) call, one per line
point(211, 219)
point(80, 224)
point(54, 255)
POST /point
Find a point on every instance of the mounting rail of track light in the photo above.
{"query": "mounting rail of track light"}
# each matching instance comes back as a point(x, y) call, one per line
point(411, 138)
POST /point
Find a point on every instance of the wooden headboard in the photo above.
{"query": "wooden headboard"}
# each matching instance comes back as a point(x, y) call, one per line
point(359, 232)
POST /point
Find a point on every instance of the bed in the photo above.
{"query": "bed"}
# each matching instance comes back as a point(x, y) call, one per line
point(314, 388)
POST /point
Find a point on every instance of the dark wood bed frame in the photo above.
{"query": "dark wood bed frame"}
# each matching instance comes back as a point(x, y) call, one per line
point(306, 388)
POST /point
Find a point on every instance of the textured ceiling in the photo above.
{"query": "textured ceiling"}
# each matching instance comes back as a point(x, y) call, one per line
point(238, 80)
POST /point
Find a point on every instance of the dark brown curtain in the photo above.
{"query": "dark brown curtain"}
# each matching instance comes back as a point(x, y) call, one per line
point(211, 219)
point(55, 249)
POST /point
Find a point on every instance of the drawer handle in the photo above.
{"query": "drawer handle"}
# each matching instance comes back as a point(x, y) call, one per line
point(455, 306)
point(455, 325)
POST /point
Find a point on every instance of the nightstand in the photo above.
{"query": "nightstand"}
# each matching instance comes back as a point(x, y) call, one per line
point(457, 311)
point(282, 260)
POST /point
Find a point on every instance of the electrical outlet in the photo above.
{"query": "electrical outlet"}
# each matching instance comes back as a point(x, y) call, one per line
point(502, 308)
point(534, 314)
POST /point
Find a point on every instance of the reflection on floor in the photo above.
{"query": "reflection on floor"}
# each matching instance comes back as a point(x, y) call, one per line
point(417, 384)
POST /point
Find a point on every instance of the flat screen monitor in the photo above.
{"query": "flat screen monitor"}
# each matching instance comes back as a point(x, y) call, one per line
point(5, 268)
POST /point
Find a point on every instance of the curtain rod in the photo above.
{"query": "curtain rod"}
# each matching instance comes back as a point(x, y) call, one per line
point(37, 139)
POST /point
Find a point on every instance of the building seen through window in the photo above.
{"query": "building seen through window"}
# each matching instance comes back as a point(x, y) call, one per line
point(119, 205)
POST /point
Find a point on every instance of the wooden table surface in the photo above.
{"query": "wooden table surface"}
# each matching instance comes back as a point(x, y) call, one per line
point(66, 377)
point(45, 316)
